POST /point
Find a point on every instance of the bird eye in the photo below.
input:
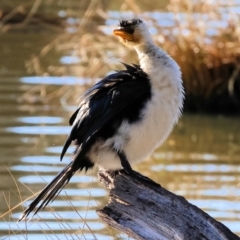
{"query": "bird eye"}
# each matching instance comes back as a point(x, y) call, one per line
point(129, 30)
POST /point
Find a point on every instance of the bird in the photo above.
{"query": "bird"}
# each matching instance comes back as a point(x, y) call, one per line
point(125, 116)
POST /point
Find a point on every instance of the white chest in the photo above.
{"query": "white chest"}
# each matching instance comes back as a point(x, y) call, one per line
point(161, 112)
point(159, 117)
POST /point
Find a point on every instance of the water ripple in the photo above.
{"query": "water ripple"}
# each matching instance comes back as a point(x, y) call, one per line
point(49, 226)
point(66, 215)
point(223, 168)
point(56, 236)
point(40, 130)
point(36, 168)
point(40, 120)
point(33, 179)
point(68, 80)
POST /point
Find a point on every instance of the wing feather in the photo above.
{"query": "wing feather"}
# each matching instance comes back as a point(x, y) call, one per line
point(105, 102)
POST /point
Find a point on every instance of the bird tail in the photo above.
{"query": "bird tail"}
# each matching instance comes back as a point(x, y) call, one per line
point(50, 192)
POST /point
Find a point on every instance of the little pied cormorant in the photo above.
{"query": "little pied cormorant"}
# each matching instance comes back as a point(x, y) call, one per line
point(124, 117)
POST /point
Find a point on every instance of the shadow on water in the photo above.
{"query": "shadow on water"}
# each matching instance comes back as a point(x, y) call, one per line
point(200, 160)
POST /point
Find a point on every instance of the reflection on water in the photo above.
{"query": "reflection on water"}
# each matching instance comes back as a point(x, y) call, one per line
point(39, 129)
point(200, 161)
point(53, 80)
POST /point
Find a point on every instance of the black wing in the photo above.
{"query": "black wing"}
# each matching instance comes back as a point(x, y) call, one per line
point(117, 97)
point(120, 96)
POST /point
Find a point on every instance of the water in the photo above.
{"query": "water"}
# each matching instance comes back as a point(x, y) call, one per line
point(200, 160)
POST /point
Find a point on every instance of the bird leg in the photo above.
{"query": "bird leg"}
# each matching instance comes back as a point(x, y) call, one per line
point(128, 169)
point(125, 163)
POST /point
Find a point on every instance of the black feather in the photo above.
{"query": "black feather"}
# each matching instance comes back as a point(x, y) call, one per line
point(129, 23)
point(50, 191)
point(72, 118)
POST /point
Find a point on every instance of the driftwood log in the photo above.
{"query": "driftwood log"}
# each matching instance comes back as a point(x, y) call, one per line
point(148, 211)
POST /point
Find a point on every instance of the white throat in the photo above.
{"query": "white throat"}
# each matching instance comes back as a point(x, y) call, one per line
point(164, 74)
point(151, 56)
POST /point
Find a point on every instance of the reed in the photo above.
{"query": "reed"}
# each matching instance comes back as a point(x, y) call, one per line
point(205, 43)
point(203, 38)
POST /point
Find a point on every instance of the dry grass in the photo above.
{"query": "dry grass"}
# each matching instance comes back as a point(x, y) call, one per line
point(204, 40)
point(64, 228)
point(206, 46)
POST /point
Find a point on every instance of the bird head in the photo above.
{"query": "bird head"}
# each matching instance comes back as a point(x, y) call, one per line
point(133, 32)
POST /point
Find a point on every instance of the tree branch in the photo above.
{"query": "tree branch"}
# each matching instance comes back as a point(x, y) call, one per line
point(148, 211)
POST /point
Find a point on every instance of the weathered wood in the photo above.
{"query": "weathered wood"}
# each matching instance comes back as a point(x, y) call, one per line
point(146, 211)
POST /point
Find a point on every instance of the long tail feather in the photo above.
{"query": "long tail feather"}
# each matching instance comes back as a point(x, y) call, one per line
point(50, 192)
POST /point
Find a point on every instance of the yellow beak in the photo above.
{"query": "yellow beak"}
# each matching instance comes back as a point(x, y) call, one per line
point(121, 33)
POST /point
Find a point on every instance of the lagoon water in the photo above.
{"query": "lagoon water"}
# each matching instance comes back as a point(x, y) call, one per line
point(200, 160)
